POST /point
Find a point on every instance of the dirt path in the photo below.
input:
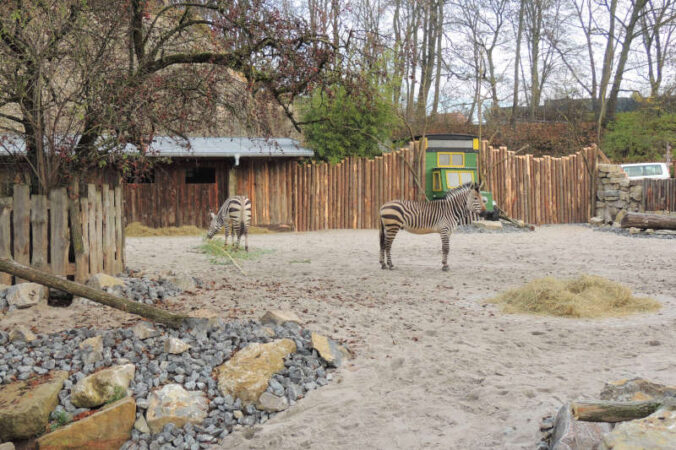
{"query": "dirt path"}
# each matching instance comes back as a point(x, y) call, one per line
point(436, 366)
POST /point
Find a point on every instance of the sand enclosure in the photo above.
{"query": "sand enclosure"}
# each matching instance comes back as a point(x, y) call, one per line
point(436, 366)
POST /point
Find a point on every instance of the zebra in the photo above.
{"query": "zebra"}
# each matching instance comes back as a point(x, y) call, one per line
point(459, 207)
point(235, 214)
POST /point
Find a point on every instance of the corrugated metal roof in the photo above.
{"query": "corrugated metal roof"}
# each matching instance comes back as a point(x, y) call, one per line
point(207, 147)
point(201, 147)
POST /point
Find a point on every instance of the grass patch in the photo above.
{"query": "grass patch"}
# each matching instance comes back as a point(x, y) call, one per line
point(118, 394)
point(137, 229)
point(587, 296)
point(219, 255)
point(61, 418)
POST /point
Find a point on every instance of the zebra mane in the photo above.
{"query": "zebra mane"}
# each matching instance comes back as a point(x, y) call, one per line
point(461, 190)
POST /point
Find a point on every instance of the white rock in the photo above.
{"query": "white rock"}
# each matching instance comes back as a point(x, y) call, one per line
point(175, 346)
point(280, 317)
point(25, 295)
point(21, 333)
point(141, 425)
point(102, 281)
point(144, 330)
point(272, 403)
point(173, 404)
point(488, 224)
point(100, 387)
point(92, 349)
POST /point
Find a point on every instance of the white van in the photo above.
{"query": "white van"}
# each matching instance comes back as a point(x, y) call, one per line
point(639, 171)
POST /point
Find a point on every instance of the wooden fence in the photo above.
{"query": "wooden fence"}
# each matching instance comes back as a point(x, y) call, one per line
point(542, 190)
point(659, 195)
point(36, 230)
point(349, 194)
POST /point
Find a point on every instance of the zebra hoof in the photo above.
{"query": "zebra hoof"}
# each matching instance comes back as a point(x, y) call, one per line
point(383, 266)
point(391, 267)
point(444, 268)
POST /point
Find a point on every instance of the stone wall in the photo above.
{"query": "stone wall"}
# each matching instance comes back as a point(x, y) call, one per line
point(615, 192)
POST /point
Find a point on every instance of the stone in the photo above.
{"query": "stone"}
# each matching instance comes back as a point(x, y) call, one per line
point(571, 434)
point(21, 333)
point(182, 281)
point(666, 232)
point(25, 295)
point(272, 403)
point(618, 218)
point(144, 330)
point(634, 230)
point(327, 349)
point(246, 375)
point(103, 281)
point(7, 446)
point(25, 409)
point(657, 431)
point(173, 404)
point(213, 318)
point(611, 194)
point(488, 224)
point(101, 387)
point(279, 317)
point(596, 221)
point(109, 427)
point(175, 346)
point(92, 349)
point(141, 425)
point(636, 389)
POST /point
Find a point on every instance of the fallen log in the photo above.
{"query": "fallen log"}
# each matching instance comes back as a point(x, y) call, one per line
point(114, 301)
point(655, 221)
point(614, 411)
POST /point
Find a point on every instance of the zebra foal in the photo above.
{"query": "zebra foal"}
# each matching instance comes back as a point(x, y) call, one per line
point(460, 206)
point(235, 215)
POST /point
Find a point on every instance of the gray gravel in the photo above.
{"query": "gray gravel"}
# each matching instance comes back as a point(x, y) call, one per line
point(304, 371)
point(644, 234)
point(144, 289)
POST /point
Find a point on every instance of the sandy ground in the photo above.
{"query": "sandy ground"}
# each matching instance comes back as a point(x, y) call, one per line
point(436, 366)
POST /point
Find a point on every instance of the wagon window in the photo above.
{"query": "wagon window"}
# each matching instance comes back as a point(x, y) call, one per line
point(455, 179)
point(200, 175)
point(436, 181)
point(653, 169)
point(450, 159)
point(634, 171)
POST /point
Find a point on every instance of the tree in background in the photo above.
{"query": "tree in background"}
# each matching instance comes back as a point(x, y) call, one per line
point(342, 122)
point(640, 135)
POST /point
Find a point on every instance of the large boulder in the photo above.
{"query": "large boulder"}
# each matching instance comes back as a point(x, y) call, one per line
point(173, 404)
point(656, 432)
point(103, 281)
point(25, 407)
point(101, 387)
point(25, 295)
point(108, 428)
point(327, 349)
point(571, 434)
point(279, 317)
point(246, 375)
point(636, 389)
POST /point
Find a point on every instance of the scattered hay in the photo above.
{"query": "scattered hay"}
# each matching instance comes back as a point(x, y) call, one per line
point(137, 229)
point(219, 255)
point(586, 296)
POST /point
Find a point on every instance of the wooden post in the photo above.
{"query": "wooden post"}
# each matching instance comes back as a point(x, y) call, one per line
point(59, 239)
point(21, 222)
point(613, 411)
point(5, 235)
point(40, 231)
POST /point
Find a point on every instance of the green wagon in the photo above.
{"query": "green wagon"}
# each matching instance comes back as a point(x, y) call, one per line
point(450, 161)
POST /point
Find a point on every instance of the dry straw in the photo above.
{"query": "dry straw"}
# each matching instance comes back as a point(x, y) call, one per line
point(587, 296)
point(137, 229)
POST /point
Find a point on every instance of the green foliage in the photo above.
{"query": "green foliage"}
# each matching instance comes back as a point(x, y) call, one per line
point(639, 136)
point(348, 122)
point(61, 418)
point(118, 394)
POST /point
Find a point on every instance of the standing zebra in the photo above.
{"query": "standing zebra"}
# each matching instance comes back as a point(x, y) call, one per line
point(459, 207)
point(235, 214)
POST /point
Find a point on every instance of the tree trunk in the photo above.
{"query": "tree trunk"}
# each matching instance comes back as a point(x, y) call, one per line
point(77, 289)
point(639, 220)
point(515, 97)
point(613, 411)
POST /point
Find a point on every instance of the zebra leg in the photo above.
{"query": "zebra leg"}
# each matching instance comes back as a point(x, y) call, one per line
point(239, 237)
point(382, 246)
point(390, 235)
point(225, 228)
point(445, 236)
point(246, 240)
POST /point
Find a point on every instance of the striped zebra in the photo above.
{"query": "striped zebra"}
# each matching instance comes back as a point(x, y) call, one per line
point(459, 207)
point(235, 214)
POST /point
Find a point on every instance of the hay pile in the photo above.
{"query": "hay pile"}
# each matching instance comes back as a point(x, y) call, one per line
point(586, 296)
point(137, 229)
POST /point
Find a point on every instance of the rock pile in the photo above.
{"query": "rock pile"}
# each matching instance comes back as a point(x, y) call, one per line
point(657, 430)
point(143, 289)
point(162, 382)
point(616, 192)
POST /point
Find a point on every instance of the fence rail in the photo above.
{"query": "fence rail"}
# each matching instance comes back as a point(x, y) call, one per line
point(36, 230)
point(659, 195)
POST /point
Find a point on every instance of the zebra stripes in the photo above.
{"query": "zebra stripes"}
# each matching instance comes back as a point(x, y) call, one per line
point(459, 207)
point(235, 214)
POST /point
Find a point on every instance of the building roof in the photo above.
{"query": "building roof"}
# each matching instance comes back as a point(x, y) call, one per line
point(205, 147)
point(214, 147)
